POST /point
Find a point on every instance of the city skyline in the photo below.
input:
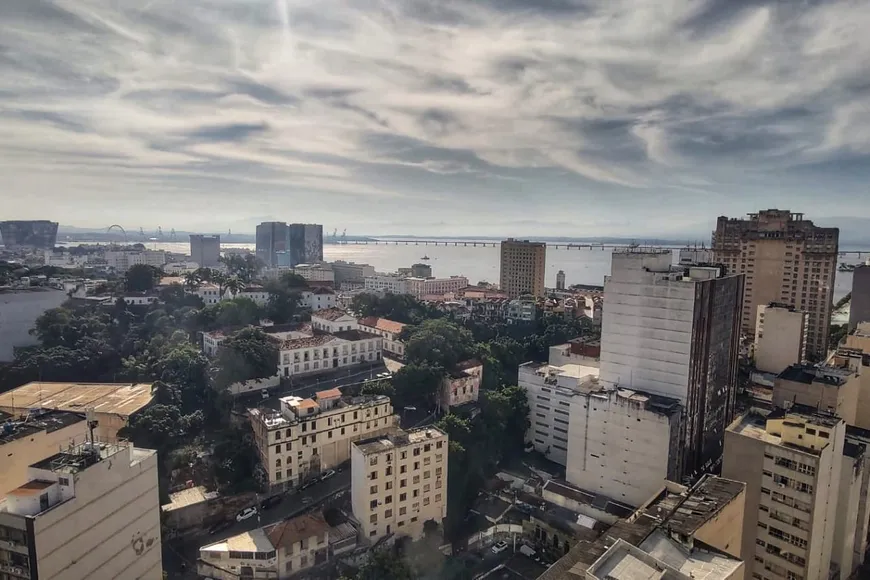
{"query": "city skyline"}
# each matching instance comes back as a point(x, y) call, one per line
point(562, 118)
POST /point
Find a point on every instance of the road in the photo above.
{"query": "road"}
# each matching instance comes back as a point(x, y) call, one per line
point(179, 561)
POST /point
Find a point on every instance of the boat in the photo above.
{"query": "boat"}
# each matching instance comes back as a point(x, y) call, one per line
point(844, 267)
point(425, 258)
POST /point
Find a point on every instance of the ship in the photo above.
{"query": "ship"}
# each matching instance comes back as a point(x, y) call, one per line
point(425, 257)
point(844, 267)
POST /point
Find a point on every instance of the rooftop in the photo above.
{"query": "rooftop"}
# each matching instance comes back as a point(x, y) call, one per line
point(331, 314)
point(383, 324)
point(701, 563)
point(600, 502)
point(34, 487)
point(354, 335)
point(254, 541)
point(808, 374)
point(187, 497)
point(115, 398)
point(400, 439)
point(307, 341)
point(753, 424)
point(292, 531)
point(30, 424)
point(689, 511)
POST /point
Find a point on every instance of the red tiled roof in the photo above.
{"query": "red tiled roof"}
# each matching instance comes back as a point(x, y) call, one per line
point(290, 532)
point(331, 314)
point(306, 341)
point(328, 394)
point(384, 324)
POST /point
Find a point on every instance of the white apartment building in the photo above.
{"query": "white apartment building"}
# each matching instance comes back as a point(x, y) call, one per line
point(398, 483)
point(389, 330)
point(333, 320)
point(308, 436)
point(65, 260)
point(252, 292)
point(622, 444)
point(318, 299)
point(420, 287)
point(122, 260)
point(791, 463)
point(780, 337)
point(143, 299)
point(522, 311)
point(209, 293)
point(550, 389)
point(272, 552)
point(212, 341)
point(313, 354)
point(383, 283)
point(91, 511)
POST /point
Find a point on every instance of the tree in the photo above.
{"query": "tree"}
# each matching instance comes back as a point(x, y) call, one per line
point(399, 307)
point(249, 354)
point(282, 306)
point(384, 565)
point(438, 343)
point(417, 384)
point(378, 388)
point(291, 280)
point(141, 278)
point(245, 267)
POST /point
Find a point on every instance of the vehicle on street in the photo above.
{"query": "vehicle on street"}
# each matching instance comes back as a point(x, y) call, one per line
point(308, 484)
point(246, 513)
point(264, 394)
point(527, 551)
point(499, 547)
point(326, 475)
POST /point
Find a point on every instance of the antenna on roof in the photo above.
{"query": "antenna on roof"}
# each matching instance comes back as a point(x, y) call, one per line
point(90, 417)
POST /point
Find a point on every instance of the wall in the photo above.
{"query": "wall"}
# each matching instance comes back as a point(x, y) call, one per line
point(724, 531)
point(254, 385)
point(780, 339)
point(859, 309)
point(743, 460)
point(19, 310)
point(849, 496)
point(18, 455)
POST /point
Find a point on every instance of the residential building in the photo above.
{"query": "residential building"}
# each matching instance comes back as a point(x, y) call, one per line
point(832, 388)
point(399, 482)
point(205, 250)
point(791, 462)
point(122, 260)
point(387, 329)
point(253, 292)
point(34, 434)
point(276, 551)
point(786, 259)
point(462, 384)
point(383, 283)
point(351, 273)
point(853, 511)
point(522, 267)
point(212, 341)
point(859, 307)
point(695, 256)
point(306, 243)
point(320, 298)
point(674, 331)
point(550, 389)
point(273, 244)
point(521, 311)
point(308, 436)
point(89, 511)
point(140, 298)
point(19, 309)
point(560, 280)
point(28, 234)
point(315, 272)
point(113, 404)
point(420, 287)
point(65, 259)
point(623, 561)
point(580, 351)
point(780, 337)
point(323, 351)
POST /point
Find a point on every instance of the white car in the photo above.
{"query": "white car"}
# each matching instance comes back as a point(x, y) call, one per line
point(326, 475)
point(499, 547)
point(246, 513)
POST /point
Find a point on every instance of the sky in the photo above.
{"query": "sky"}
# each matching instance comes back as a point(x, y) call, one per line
point(441, 117)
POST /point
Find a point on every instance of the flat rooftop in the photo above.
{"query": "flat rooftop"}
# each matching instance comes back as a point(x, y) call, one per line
point(254, 541)
point(400, 439)
point(700, 564)
point(187, 497)
point(753, 424)
point(28, 425)
point(115, 398)
point(691, 510)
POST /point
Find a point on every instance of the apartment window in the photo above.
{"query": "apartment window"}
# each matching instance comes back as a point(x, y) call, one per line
point(416, 479)
point(373, 519)
point(373, 504)
point(403, 497)
point(373, 475)
point(403, 483)
point(403, 468)
point(388, 514)
point(416, 451)
point(389, 499)
point(373, 489)
point(415, 493)
point(404, 455)
point(389, 470)
point(373, 460)
point(278, 475)
point(416, 465)
point(425, 501)
point(389, 485)
point(438, 472)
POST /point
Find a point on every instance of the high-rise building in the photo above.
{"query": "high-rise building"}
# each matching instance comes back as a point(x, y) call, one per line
point(205, 250)
point(560, 280)
point(791, 462)
point(272, 244)
point(398, 483)
point(786, 259)
point(859, 309)
point(28, 234)
point(522, 267)
point(89, 511)
point(306, 244)
point(674, 331)
point(780, 337)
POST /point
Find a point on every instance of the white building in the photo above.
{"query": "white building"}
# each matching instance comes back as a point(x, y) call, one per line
point(383, 283)
point(90, 511)
point(522, 311)
point(333, 320)
point(180, 268)
point(212, 341)
point(389, 330)
point(692, 256)
point(122, 260)
point(323, 352)
point(308, 436)
point(209, 293)
point(350, 273)
point(315, 272)
point(252, 292)
point(66, 260)
point(420, 287)
point(398, 483)
point(143, 299)
point(321, 298)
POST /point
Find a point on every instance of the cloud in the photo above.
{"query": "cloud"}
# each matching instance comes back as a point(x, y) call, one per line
point(634, 106)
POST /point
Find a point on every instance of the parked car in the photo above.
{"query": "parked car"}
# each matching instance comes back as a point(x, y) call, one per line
point(527, 551)
point(264, 394)
point(326, 475)
point(499, 547)
point(246, 513)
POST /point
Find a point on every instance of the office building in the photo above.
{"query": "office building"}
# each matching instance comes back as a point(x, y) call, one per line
point(89, 511)
point(780, 337)
point(786, 259)
point(122, 260)
point(305, 244)
point(351, 273)
point(272, 244)
point(28, 234)
point(791, 462)
point(386, 283)
point(560, 280)
point(315, 272)
point(859, 307)
point(308, 436)
point(112, 403)
point(674, 331)
point(276, 551)
point(205, 250)
point(833, 387)
point(522, 267)
point(19, 309)
point(398, 483)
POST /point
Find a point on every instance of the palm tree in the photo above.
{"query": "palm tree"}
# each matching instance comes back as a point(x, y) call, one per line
point(193, 280)
point(233, 285)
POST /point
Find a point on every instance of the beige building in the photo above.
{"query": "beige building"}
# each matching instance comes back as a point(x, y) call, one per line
point(462, 384)
point(28, 437)
point(523, 264)
point(780, 337)
point(398, 483)
point(830, 388)
point(787, 260)
point(308, 436)
point(791, 463)
point(276, 552)
point(389, 331)
point(113, 403)
point(89, 512)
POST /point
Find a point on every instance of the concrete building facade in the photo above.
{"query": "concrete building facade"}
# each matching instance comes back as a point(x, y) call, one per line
point(91, 511)
point(122, 260)
point(859, 308)
point(308, 436)
point(560, 280)
point(272, 242)
point(19, 309)
point(389, 331)
point(28, 234)
point(351, 272)
point(780, 337)
point(398, 483)
point(523, 264)
point(674, 331)
point(461, 386)
point(205, 250)
point(786, 259)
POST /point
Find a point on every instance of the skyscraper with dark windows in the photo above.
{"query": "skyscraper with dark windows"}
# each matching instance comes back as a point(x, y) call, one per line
point(28, 234)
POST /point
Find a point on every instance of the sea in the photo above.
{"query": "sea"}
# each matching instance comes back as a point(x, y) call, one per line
point(581, 266)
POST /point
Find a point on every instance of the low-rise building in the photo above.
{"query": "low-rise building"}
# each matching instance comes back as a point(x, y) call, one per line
point(315, 272)
point(276, 551)
point(386, 283)
point(122, 260)
point(212, 341)
point(462, 384)
point(323, 352)
point(321, 298)
point(398, 483)
point(90, 511)
point(387, 329)
point(522, 311)
point(350, 273)
point(780, 337)
point(209, 293)
point(113, 404)
point(420, 287)
point(253, 292)
point(308, 436)
point(828, 388)
point(140, 299)
point(333, 320)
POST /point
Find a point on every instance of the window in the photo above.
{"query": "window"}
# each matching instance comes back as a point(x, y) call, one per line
point(403, 497)
point(389, 485)
point(416, 465)
point(373, 519)
point(373, 504)
point(389, 499)
point(388, 514)
point(416, 479)
point(373, 489)
point(278, 475)
point(403, 469)
point(403, 483)
point(389, 470)
point(373, 475)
